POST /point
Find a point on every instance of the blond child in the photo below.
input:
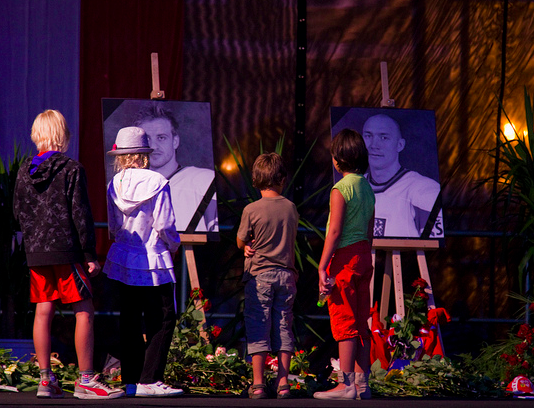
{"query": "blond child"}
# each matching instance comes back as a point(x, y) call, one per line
point(141, 221)
point(51, 205)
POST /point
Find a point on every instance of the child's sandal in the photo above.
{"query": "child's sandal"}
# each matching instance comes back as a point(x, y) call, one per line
point(259, 395)
point(283, 395)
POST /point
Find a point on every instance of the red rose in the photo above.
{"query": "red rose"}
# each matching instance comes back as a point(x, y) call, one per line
point(422, 295)
point(206, 305)
point(216, 331)
point(513, 360)
point(420, 283)
point(196, 293)
point(521, 348)
point(526, 333)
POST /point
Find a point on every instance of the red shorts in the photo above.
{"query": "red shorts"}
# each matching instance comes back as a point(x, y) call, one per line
point(350, 302)
point(69, 283)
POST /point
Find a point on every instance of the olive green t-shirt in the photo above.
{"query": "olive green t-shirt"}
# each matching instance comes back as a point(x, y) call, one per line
point(360, 201)
point(272, 223)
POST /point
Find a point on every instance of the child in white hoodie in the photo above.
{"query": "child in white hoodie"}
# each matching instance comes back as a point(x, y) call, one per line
point(141, 221)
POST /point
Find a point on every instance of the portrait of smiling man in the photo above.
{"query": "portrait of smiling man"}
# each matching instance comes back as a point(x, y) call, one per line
point(180, 134)
point(405, 198)
point(192, 188)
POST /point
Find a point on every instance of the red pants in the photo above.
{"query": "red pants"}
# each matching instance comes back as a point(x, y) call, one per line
point(350, 302)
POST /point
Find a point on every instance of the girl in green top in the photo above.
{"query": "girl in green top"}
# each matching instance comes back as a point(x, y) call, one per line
point(347, 258)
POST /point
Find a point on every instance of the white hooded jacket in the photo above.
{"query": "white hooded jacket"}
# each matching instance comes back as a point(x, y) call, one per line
point(141, 220)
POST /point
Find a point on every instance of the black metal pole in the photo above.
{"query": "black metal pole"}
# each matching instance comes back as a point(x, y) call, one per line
point(300, 98)
point(493, 262)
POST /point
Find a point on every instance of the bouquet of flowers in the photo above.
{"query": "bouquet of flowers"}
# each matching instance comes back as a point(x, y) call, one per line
point(195, 362)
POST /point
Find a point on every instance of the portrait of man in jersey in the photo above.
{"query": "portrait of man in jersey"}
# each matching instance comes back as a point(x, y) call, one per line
point(403, 168)
point(180, 134)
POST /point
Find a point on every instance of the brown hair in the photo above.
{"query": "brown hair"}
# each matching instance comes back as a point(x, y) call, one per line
point(348, 149)
point(268, 171)
point(50, 131)
point(129, 161)
point(153, 112)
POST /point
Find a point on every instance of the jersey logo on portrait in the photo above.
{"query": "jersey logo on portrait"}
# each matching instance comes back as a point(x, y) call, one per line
point(380, 227)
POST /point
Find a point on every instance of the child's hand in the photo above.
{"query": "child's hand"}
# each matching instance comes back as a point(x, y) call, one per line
point(325, 283)
point(94, 268)
point(249, 251)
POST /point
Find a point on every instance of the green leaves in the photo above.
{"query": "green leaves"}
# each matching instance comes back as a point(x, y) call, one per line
point(516, 181)
point(432, 377)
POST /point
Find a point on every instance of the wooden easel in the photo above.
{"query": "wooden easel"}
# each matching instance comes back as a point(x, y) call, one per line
point(187, 240)
point(394, 247)
point(393, 271)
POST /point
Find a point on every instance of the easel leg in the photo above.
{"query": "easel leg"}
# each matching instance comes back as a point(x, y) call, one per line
point(423, 269)
point(386, 288)
point(397, 280)
point(372, 286)
point(195, 283)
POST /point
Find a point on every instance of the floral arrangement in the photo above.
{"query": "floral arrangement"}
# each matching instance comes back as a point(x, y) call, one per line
point(17, 375)
point(195, 361)
point(520, 359)
point(200, 364)
point(433, 377)
point(405, 329)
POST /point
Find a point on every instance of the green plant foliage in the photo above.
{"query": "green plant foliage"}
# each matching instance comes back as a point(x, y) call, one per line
point(516, 186)
point(303, 250)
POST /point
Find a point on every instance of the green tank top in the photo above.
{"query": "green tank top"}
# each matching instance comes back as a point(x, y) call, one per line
point(360, 201)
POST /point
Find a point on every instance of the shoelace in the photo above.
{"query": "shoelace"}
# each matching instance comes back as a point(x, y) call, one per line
point(101, 382)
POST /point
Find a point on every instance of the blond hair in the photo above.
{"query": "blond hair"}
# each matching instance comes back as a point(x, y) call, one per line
point(133, 160)
point(50, 131)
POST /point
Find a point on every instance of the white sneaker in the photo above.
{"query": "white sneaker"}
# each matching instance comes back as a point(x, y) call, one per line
point(157, 390)
point(49, 389)
point(96, 389)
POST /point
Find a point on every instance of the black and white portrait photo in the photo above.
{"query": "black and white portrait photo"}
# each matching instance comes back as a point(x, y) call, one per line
point(403, 168)
point(180, 134)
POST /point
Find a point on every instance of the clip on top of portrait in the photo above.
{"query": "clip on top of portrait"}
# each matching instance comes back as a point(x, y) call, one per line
point(393, 247)
point(187, 240)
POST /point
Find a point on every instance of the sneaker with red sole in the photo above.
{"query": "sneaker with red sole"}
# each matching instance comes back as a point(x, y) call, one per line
point(96, 389)
point(49, 389)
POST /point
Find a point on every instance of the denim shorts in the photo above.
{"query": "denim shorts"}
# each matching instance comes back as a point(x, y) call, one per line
point(269, 299)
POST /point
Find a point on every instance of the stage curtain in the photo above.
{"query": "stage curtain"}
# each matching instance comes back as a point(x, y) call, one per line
point(117, 39)
point(39, 59)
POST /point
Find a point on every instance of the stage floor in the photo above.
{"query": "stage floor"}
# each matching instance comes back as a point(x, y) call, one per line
point(27, 399)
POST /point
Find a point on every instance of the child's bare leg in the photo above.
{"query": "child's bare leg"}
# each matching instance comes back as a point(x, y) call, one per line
point(363, 356)
point(258, 366)
point(84, 333)
point(284, 361)
point(361, 368)
point(347, 356)
point(42, 326)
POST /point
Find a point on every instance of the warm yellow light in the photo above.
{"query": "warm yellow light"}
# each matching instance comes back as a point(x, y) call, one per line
point(509, 131)
point(229, 165)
